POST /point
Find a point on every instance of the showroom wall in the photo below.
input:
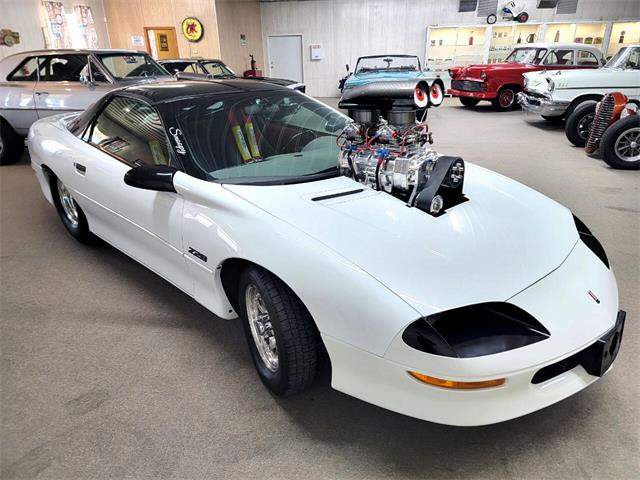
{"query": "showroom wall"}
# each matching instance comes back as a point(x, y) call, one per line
point(236, 18)
point(27, 18)
point(127, 18)
point(347, 29)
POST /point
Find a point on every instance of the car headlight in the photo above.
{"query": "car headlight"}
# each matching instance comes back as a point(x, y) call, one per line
point(550, 85)
point(475, 330)
point(526, 82)
point(591, 241)
point(483, 75)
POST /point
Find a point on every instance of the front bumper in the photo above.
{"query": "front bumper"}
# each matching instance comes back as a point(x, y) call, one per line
point(542, 104)
point(581, 347)
point(388, 385)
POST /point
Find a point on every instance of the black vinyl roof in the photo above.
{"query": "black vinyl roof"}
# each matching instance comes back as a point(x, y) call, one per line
point(172, 89)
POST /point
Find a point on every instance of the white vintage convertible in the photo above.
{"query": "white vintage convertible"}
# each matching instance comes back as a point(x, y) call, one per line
point(555, 94)
point(463, 307)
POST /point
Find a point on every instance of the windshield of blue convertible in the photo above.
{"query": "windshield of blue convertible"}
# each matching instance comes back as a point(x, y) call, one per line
point(255, 137)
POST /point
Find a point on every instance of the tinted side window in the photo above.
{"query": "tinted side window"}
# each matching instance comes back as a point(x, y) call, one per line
point(26, 72)
point(586, 58)
point(559, 57)
point(62, 68)
point(131, 130)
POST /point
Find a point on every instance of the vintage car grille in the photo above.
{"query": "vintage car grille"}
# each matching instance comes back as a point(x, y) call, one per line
point(534, 94)
point(468, 86)
point(600, 123)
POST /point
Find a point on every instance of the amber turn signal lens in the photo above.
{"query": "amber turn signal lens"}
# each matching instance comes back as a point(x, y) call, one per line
point(439, 382)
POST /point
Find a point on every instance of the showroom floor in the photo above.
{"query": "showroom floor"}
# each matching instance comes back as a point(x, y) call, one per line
point(110, 372)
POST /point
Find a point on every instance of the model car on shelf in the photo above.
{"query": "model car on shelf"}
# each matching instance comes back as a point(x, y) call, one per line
point(216, 69)
point(615, 132)
point(36, 84)
point(511, 10)
point(499, 83)
point(395, 68)
point(558, 94)
point(456, 295)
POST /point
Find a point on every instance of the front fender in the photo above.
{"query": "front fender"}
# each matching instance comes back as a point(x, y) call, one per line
point(345, 301)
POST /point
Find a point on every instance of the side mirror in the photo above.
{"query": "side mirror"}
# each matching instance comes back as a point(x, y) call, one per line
point(151, 177)
point(86, 81)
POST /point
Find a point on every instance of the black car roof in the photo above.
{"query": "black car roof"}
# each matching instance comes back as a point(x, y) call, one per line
point(172, 89)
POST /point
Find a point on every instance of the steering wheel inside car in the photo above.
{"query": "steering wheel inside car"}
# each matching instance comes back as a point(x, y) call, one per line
point(297, 136)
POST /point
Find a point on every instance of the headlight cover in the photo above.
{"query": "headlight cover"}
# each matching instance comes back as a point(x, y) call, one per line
point(475, 331)
point(591, 241)
point(550, 85)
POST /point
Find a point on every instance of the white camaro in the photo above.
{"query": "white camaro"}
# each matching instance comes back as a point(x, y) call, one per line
point(497, 307)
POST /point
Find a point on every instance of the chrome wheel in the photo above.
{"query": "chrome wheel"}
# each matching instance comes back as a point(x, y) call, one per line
point(261, 328)
point(68, 204)
point(506, 98)
point(627, 145)
point(584, 125)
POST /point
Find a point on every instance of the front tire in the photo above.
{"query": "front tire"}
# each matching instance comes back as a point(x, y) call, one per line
point(506, 99)
point(620, 144)
point(11, 144)
point(72, 216)
point(579, 123)
point(469, 102)
point(492, 18)
point(280, 332)
point(523, 17)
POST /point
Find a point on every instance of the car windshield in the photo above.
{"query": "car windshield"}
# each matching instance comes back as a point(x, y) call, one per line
point(218, 69)
point(627, 58)
point(526, 55)
point(258, 137)
point(388, 63)
point(131, 65)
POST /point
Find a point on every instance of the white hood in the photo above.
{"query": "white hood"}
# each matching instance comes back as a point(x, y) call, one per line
point(493, 246)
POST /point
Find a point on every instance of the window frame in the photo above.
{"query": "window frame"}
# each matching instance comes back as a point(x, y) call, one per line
point(595, 57)
point(47, 57)
point(554, 51)
point(85, 133)
point(21, 64)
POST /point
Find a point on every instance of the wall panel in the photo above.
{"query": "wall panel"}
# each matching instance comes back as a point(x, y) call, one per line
point(351, 28)
point(237, 17)
point(129, 17)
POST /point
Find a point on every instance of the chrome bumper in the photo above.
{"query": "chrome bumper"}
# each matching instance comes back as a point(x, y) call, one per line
point(542, 105)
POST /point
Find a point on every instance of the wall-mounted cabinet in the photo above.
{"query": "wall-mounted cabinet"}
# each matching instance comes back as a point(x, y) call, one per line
point(449, 46)
point(622, 35)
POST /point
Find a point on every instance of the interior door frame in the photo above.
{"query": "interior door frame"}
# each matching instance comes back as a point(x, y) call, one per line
point(146, 37)
point(301, 50)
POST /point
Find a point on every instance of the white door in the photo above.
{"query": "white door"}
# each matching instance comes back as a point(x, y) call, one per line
point(144, 224)
point(285, 56)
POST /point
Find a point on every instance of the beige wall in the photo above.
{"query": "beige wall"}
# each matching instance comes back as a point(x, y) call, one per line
point(129, 17)
point(26, 17)
point(236, 17)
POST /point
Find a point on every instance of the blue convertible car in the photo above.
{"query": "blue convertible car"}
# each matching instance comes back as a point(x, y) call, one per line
point(394, 68)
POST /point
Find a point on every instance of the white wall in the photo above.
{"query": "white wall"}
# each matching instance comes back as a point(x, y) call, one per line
point(25, 17)
point(348, 29)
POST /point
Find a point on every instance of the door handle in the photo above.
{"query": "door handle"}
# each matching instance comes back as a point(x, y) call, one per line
point(80, 168)
point(42, 93)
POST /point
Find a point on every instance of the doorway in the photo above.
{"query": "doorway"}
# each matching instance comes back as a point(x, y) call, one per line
point(285, 56)
point(162, 42)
